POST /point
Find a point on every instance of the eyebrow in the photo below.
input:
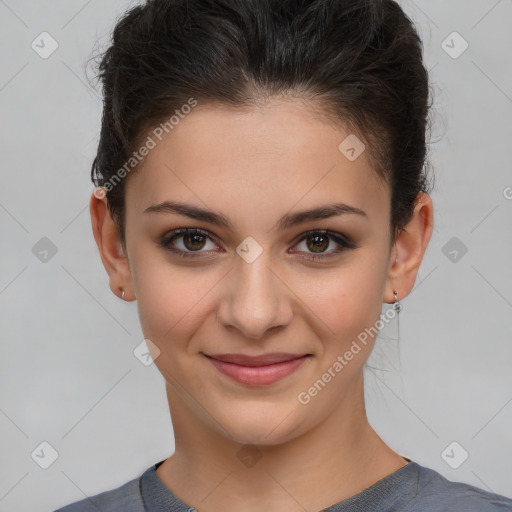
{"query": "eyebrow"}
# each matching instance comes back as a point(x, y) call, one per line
point(287, 221)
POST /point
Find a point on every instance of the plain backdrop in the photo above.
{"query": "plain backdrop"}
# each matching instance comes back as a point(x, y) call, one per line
point(68, 375)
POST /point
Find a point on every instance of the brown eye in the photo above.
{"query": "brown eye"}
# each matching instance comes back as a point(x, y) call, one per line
point(193, 242)
point(187, 241)
point(317, 242)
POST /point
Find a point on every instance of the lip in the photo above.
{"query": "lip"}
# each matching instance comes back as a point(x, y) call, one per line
point(257, 370)
point(261, 360)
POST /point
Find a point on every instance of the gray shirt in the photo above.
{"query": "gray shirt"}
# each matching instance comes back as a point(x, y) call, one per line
point(412, 488)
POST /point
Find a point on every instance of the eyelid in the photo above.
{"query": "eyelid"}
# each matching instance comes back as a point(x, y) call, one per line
point(344, 242)
point(180, 232)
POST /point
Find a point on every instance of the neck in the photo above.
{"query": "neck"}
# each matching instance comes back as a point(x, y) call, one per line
point(337, 459)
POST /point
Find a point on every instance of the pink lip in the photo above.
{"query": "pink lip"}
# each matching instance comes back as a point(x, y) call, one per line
point(257, 370)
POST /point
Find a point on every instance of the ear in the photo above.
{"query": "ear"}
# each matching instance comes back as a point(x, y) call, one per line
point(110, 247)
point(409, 248)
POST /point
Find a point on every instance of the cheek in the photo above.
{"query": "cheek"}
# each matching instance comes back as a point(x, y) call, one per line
point(171, 299)
point(343, 301)
point(170, 308)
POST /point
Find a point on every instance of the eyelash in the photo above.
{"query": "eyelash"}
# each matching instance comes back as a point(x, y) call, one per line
point(343, 242)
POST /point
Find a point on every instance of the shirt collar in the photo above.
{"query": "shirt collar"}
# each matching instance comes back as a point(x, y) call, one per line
point(387, 494)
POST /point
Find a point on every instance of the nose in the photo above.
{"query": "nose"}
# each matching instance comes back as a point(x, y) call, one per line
point(255, 299)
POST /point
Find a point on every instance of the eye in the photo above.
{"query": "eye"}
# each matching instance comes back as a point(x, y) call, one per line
point(190, 241)
point(320, 240)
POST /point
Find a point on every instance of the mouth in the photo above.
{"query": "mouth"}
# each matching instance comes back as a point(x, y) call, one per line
point(259, 370)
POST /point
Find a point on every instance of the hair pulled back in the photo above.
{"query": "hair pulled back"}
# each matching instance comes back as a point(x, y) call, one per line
point(359, 62)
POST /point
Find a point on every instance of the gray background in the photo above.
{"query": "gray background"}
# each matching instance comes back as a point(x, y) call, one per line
point(68, 375)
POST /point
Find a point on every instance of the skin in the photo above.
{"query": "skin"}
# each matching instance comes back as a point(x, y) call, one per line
point(255, 167)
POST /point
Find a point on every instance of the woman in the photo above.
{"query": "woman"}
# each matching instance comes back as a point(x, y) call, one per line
point(261, 193)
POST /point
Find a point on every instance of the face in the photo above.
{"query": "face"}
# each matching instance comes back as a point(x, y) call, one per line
point(264, 281)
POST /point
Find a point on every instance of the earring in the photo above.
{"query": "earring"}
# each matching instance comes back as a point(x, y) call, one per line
point(122, 295)
point(397, 306)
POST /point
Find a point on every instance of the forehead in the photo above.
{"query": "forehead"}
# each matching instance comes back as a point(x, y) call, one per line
point(265, 159)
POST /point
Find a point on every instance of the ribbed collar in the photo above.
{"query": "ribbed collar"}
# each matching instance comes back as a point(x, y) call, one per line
point(390, 493)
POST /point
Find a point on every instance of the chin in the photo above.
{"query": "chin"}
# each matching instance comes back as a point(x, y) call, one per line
point(261, 428)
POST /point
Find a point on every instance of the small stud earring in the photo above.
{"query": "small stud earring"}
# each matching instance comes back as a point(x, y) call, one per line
point(122, 295)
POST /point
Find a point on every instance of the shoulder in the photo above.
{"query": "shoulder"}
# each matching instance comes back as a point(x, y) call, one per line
point(126, 498)
point(435, 493)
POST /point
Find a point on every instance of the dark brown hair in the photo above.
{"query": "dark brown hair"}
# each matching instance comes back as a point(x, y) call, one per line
point(359, 62)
